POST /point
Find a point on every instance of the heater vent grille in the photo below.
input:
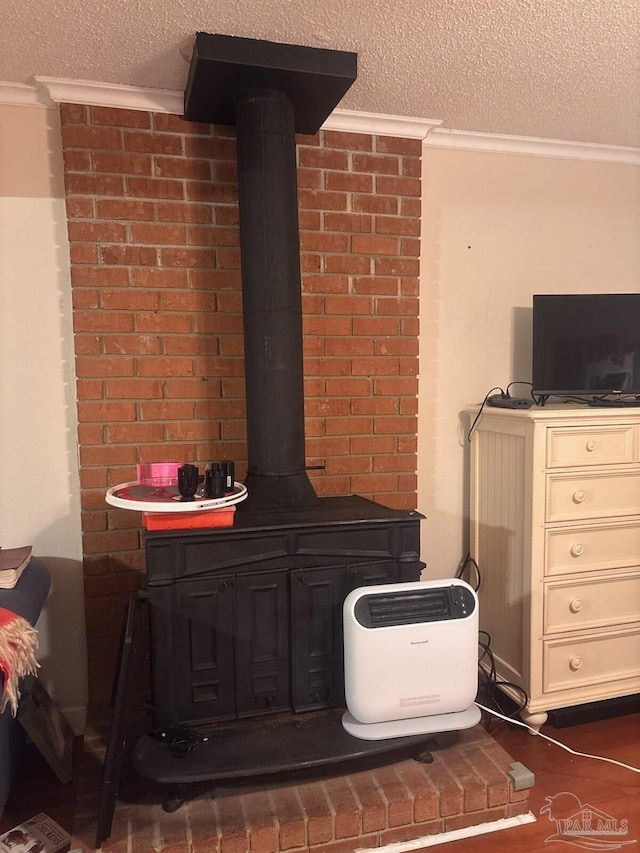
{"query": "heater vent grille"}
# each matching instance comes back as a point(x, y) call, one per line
point(380, 610)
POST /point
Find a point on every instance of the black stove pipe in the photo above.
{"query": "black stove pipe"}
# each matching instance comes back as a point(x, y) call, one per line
point(272, 301)
point(270, 92)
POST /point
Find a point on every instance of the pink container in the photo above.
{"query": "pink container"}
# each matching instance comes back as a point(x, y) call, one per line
point(158, 473)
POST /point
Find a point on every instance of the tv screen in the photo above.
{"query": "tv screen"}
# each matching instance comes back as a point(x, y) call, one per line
point(586, 344)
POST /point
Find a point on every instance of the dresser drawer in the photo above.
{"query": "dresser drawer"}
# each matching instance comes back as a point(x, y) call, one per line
point(596, 659)
point(594, 548)
point(595, 603)
point(592, 495)
point(598, 445)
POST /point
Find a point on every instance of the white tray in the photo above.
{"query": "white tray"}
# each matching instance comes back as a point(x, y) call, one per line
point(167, 498)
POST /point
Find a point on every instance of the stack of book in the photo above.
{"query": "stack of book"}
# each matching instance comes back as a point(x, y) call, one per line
point(13, 562)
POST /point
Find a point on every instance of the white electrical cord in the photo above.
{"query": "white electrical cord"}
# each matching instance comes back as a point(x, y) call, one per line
point(557, 742)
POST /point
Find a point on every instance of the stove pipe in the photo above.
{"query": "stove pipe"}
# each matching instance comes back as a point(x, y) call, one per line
point(269, 92)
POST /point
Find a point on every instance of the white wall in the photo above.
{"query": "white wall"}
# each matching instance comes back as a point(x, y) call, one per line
point(39, 482)
point(498, 228)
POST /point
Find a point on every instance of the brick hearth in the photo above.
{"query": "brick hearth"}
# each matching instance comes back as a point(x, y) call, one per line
point(466, 784)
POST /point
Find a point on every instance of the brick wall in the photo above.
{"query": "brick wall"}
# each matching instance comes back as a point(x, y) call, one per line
point(155, 266)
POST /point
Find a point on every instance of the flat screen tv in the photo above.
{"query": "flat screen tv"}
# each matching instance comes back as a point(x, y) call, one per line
point(586, 345)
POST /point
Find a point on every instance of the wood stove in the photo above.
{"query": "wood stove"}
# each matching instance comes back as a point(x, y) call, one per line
point(246, 622)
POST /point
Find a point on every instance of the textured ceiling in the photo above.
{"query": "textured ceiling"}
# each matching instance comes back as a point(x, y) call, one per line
point(558, 69)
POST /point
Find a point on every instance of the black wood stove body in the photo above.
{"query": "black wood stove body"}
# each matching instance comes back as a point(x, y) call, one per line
point(247, 621)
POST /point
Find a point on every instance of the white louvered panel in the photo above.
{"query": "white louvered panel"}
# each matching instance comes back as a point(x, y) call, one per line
point(500, 539)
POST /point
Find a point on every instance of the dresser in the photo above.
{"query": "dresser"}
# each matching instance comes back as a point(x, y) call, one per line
point(555, 530)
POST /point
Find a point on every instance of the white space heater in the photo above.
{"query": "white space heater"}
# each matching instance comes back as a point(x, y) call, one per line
point(411, 658)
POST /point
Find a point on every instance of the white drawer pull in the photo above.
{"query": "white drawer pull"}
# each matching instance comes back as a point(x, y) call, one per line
point(577, 550)
point(579, 496)
point(575, 663)
point(591, 446)
point(575, 606)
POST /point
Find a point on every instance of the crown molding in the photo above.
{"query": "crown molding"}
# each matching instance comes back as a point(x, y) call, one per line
point(49, 91)
point(58, 90)
point(352, 121)
point(54, 91)
point(19, 95)
point(494, 143)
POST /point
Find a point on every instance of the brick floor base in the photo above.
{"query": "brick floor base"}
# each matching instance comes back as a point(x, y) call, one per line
point(466, 784)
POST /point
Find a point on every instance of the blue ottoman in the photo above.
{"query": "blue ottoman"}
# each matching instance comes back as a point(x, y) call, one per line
point(27, 599)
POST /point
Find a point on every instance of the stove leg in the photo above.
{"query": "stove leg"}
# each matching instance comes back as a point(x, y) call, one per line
point(176, 798)
point(425, 756)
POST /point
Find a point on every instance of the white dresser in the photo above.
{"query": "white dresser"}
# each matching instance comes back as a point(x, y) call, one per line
point(555, 530)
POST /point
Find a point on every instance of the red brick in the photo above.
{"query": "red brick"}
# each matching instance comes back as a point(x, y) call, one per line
point(372, 444)
point(109, 541)
point(86, 299)
point(317, 811)
point(310, 179)
point(73, 113)
point(323, 158)
point(399, 186)
point(81, 184)
point(87, 366)
point(347, 820)
point(202, 826)
point(291, 822)
point(119, 117)
point(372, 803)
point(324, 242)
point(372, 327)
point(398, 145)
point(124, 209)
point(184, 212)
point(375, 406)
point(260, 822)
point(152, 143)
point(103, 321)
point(156, 188)
point(129, 255)
point(348, 182)
point(121, 300)
point(96, 232)
point(377, 164)
point(85, 276)
point(231, 824)
point(177, 167)
point(165, 323)
point(397, 266)
point(74, 136)
point(321, 200)
point(348, 426)
point(159, 278)
point(177, 124)
point(350, 141)
point(79, 207)
point(373, 245)
point(83, 253)
point(374, 204)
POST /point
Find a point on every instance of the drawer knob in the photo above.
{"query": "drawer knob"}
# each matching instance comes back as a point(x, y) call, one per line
point(579, 496)
point(575, 606)
point(577, 550)
point(575, 663)
point(591, 446)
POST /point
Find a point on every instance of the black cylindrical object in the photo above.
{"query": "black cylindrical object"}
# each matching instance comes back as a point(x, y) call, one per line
point(272, 301)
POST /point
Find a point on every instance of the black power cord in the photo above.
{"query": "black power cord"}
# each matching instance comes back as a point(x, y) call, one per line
point(469, 561)
point(489, 693)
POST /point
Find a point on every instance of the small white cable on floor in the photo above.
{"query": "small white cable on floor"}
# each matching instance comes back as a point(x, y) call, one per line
point(557, 742)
